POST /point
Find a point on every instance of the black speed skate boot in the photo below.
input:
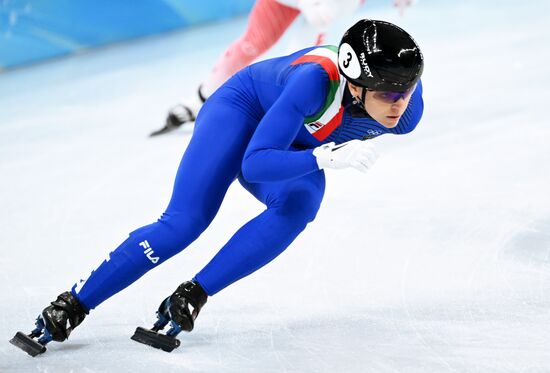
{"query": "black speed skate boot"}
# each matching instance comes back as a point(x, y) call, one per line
point(55, 323)
point(180, 310)
point(182, 113)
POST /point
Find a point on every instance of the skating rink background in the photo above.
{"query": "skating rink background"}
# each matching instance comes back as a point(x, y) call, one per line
point(436, 261)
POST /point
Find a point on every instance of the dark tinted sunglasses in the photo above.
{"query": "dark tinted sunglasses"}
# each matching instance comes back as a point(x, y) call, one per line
point(392, 97)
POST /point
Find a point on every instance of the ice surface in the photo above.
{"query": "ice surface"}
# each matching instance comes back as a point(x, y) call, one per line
point(436, 261)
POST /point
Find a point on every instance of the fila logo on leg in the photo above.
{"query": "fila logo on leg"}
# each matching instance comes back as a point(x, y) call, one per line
point(149, 252)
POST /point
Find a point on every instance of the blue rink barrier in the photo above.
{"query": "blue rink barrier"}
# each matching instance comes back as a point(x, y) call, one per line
point(35, 30)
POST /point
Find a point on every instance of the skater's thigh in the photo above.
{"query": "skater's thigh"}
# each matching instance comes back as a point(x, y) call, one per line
point(213, 157)
point(306, 191)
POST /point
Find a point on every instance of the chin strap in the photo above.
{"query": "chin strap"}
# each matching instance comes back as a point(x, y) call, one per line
point(361, 100)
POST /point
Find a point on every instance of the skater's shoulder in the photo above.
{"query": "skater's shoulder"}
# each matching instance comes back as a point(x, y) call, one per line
point(310, 74)
point(308, 86)
point(323, 58)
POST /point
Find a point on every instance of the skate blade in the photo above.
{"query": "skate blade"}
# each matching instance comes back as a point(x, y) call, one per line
point(27, 344)
point(159, 132)
point(163, 130)
point(156, 340)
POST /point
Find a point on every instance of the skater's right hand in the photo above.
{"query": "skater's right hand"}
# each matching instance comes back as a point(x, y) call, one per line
point(358, 154)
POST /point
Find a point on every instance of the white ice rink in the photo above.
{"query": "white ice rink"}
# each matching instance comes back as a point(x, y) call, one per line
point(436, 261)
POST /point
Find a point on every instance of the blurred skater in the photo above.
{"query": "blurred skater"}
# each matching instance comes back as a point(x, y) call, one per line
point(267, 22)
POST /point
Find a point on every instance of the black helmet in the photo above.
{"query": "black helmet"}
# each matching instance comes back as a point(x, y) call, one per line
point(380, 56)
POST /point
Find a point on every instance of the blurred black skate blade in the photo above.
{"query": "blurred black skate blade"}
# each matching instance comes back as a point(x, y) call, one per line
point(172, 123)
point(162, 131)
point(156, 340)
point(27, 344)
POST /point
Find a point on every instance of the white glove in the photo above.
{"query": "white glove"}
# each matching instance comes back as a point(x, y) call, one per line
point(318, 13)
point(321, 13)
point(358, 154)
point(401, 5)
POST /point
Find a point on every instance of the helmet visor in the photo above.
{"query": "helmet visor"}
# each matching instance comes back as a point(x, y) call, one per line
point(392, 97)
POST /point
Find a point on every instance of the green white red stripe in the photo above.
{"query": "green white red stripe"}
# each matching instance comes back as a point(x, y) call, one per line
point(330, 116)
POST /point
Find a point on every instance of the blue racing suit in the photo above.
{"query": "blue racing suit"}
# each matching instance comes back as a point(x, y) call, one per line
point(260, 127)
